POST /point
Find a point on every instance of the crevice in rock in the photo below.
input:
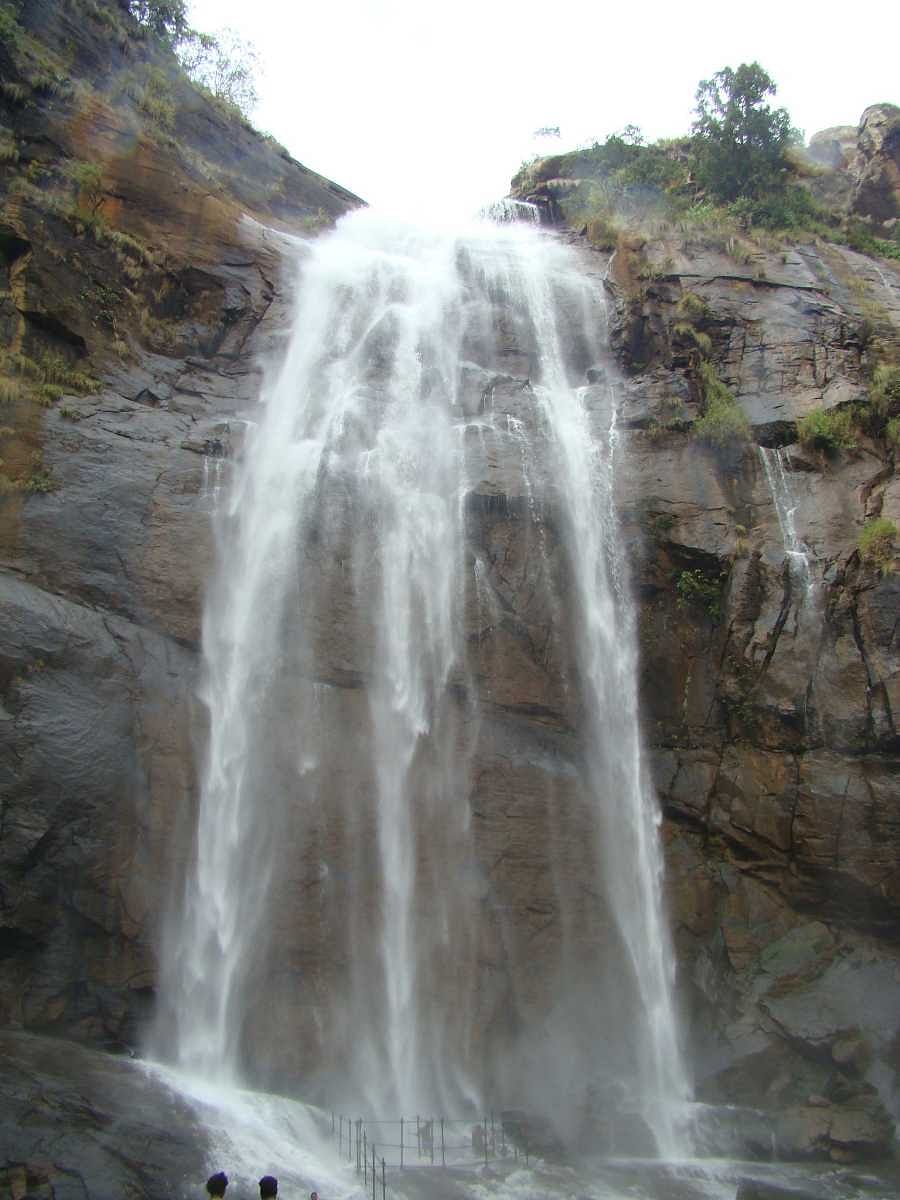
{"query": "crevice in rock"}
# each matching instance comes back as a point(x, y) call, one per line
point(780, 621)
point(873, 682)
point(17, 943)
point(53, 326)
point(882, 476)
point(12, 246)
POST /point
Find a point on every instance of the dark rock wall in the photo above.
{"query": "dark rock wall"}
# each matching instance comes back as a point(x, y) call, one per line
point(771, 714)
point(168, 299)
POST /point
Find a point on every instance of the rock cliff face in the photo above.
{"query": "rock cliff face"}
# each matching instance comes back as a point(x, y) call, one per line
point(769, 702)
point(132, 252)
point(770, 693)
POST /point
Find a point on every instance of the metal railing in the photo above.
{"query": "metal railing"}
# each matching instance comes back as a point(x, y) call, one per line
point(423, 1142)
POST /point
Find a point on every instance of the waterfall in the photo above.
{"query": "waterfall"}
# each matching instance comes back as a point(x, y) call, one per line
point(427, 873)
point(783, 498)
point(509, 209)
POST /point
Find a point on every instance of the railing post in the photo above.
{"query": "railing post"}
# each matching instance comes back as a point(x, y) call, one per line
point(401, 1143)
point(432, 1138)
point(484, 1139)
point(373, 1171)
point(493, 1137)
point(340, 1134)
point(383, 1184)
point(365, 1160)
point(332, 1123)
point(443, 1156)
point(419, 1135)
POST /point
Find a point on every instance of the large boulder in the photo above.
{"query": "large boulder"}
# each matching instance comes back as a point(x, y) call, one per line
point(877, 167)
point(861, 175)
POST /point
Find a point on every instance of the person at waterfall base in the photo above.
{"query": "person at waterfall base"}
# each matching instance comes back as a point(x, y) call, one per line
point(268, 1187)
point(216, 1184)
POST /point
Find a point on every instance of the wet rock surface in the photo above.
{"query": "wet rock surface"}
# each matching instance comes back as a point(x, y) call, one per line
point(77, 1125)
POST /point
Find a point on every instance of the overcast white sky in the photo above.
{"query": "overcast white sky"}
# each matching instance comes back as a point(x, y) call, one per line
point(416, 101)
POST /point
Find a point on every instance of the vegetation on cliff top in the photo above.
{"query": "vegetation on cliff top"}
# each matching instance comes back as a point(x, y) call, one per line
point(740, 173)
point(223, 64)
point(740, 143)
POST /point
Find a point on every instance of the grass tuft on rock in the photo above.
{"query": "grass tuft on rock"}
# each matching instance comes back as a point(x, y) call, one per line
point(723, 420)
point(884, 393)
point(876, 544)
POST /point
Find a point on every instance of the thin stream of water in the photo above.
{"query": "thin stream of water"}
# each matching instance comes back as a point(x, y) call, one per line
point(773, 461)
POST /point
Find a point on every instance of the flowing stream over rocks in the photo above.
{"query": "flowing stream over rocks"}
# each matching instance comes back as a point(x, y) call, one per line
point(353, 900)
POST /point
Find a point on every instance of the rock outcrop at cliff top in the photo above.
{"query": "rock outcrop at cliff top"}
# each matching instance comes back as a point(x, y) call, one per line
point(877, 167)
point(769, 711)
point(859, 172)
point(863, 165)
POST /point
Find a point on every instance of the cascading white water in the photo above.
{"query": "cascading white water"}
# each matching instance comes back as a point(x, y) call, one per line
point(785, 508)
point(348, 916)
point(512, 210)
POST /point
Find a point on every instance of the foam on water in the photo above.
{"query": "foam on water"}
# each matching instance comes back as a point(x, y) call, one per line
point(252, 1134)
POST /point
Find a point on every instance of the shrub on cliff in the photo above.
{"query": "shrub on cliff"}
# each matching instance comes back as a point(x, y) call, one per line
point(860, 238)
point(828, 429)
point(876, 544)
point(740, 143)
point(697, 590)
point(223, 64)
point(602, 232)
point(166, 18)
point(10, 30)
point(788, 207)
point(885, 390)
point(723, 419)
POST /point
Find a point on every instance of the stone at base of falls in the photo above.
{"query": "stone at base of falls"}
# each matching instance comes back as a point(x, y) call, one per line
point(631, 1136)
point(532, 1134)
point(77, 1123)
point(839, 1117)
point(844, 1133)
point(758, 1189)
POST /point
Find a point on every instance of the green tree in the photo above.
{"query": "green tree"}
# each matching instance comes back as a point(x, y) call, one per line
point(167, 18)
point(224, 64)
point(739, 140)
